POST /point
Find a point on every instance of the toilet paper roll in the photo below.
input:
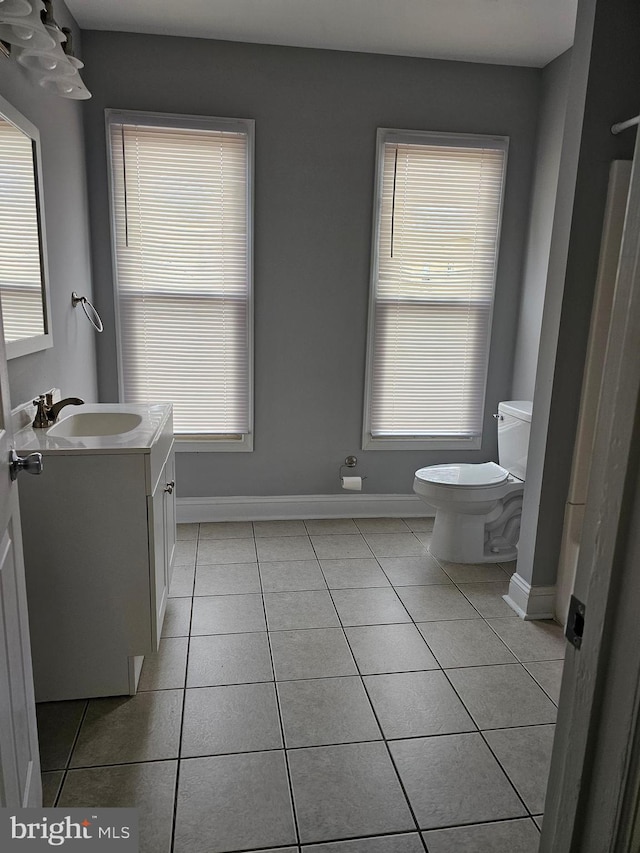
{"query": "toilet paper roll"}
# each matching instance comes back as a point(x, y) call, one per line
point(352, 484)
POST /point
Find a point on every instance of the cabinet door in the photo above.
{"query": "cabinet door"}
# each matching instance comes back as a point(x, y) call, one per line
point(169, 517)
point(157, 562)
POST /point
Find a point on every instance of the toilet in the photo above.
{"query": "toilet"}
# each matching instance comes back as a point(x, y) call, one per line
point(478, 506)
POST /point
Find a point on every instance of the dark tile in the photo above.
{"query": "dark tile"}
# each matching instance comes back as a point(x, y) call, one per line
point(58, 724)
point(149, 787)
point(454, 779)
point(238, 718)
point(346, 791)
point(233, 802)
point(124, 730)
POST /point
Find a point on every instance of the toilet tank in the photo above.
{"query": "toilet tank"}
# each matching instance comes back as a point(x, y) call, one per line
point(514, 424)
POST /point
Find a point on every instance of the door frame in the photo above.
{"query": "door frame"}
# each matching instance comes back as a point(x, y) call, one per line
point(595, 769)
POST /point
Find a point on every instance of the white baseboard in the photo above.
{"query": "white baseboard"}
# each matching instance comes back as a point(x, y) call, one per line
point(530, 602)
point(283, 507)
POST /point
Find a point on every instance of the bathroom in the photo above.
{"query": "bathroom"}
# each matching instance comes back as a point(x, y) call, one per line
point(316, 112)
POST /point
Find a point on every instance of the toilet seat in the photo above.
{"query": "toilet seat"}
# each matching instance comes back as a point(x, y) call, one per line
point(465, 475)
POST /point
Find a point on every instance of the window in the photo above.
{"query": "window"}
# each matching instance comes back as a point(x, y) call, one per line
point(435, 242)
point(181, 210)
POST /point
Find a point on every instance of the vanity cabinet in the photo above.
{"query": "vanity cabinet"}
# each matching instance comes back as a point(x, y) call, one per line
point(99, 532)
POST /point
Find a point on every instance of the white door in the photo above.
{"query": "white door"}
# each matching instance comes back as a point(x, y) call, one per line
point(19, 760)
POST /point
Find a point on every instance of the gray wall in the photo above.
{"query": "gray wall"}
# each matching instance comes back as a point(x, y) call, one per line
point(70, 364)
point(316, 117)
point(603, 89)
point(555, 82)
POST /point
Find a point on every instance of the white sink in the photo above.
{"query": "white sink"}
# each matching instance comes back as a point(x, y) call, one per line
point(87, 424)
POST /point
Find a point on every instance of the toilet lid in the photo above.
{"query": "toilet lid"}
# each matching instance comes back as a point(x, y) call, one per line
point(469, 475)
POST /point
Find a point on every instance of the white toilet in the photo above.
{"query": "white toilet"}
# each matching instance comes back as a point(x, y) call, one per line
point(478, 506)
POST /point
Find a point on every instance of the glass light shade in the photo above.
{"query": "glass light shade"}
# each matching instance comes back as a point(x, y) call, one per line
point(51, 63)
point(14, 9)
point(66, 87)
point(28, 31)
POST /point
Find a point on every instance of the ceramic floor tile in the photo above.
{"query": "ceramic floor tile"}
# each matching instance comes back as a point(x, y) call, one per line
point(325, 711)
point(435, 602)
point(472, 572)
point(424, 536)
point(395, 544)
point(150, 788)
point(230, 579)
point(185, 552)
point(415, 704)
point(487, 598)
point(454, 779)
point(228, 659)
point(177, 618)
point(409, 842)
point(182, 582)
point(58, 724)
point(502, 696)
point(538, 819)
point(338, 546)
point(287, 611)
point(422, 525)
point(264, 529)
point(213, 797)
point(239, 718)
point(291, 576)
point(331, 525)
point(227, 614)
point(50, 786)
point(369, 607)
point(413, 571)
point(509, 836)
point(525, 756)
point(389, 648)
point(166, 669)
point(221, 551)
point(346, 791)
point(123, 730)
point(313, 653)
point(226, 530)
point(548, 674)
point(533, 640)
point(508, 568)
point(187, 531)
point(381, 525)
point(353, 573)
point(464, 642)
point(278, 548)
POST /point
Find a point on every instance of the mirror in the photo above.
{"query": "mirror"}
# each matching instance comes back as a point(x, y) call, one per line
point(24, 293)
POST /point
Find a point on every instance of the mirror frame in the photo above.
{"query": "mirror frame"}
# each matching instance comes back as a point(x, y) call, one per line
point(37, 342)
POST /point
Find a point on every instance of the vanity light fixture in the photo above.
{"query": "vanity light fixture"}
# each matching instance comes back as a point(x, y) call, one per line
point(42, 47)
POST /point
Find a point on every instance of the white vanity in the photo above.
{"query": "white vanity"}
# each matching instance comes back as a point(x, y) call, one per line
point(99, 537)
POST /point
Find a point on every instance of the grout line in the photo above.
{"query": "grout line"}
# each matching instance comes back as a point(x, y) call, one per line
point(294, 812)
point(384, 739)
point(184, 700)
point(71, 751)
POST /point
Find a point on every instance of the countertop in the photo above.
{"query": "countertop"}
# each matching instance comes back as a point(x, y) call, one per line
point(138, 440)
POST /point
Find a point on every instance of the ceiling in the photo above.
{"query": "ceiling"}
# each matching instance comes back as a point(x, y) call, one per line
point(507, 32)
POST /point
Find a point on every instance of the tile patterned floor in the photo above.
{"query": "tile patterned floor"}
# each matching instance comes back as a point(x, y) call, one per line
point(324, 686)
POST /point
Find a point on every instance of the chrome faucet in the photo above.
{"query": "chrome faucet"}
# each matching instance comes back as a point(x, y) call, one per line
point(48, 411)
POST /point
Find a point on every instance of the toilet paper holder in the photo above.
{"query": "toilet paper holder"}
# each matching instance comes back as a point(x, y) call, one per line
point(349, 462)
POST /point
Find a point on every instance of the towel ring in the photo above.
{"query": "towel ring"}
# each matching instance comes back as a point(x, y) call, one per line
point(92, 315)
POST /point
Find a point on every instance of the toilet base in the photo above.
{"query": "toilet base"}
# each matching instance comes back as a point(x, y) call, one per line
point(459, 538)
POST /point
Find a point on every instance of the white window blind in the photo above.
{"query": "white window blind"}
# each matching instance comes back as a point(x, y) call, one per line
point(20, 270)
point(435, 252)
point(181, 211)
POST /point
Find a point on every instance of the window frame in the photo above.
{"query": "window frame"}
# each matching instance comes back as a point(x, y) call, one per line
point(188, 443)
point(415, 137)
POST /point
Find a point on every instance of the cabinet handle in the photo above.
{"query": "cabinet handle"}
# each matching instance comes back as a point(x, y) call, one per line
point(170, 487)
